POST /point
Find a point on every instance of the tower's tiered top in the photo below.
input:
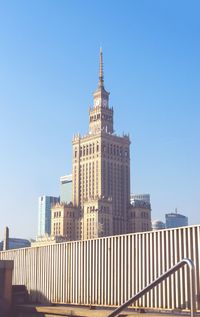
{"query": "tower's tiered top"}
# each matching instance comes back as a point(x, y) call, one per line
point(101, 116)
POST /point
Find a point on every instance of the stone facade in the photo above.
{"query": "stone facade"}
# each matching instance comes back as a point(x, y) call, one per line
point(97, 218)
point(65, 221)
point(101, 171)
point(101, 177)
point(139, 216)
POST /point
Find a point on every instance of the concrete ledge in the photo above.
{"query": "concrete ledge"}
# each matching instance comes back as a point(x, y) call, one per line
point(73, 310)
point(6, 264)
point(64, 310)
point(6, 268)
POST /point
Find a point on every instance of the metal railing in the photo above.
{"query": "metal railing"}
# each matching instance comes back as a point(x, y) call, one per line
point(157, 281)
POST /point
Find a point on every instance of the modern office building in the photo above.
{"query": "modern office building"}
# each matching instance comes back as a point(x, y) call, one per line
point(66, 189)
point(17, 243)
point(13, 243)
point(142, 197)
point(174, 220)
point(44, 214)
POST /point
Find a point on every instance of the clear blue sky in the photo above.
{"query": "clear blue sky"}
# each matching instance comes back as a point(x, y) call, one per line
point(49, 54)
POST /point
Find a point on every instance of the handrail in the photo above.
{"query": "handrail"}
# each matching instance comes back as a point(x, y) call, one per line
point(159, 280)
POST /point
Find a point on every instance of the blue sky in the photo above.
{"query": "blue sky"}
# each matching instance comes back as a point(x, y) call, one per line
point(49, 53)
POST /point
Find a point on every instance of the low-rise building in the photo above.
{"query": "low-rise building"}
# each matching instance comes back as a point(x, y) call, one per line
point(158, 225)
point(139, 214)
point(16, 243)
point(46, 240)
point(13, 243)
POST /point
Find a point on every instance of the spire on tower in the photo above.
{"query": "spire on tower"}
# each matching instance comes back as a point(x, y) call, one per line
point(101, 80)
point(100, 93)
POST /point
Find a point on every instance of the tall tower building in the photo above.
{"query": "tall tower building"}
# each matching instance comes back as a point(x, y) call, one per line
point(100, 180)
point(66, 188)
point(44, 214)
point(101, 171)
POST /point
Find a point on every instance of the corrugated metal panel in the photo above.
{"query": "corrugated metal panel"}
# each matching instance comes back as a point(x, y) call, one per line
point(108, 271)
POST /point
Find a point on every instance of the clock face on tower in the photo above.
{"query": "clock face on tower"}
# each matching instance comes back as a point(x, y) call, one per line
point(97, 102)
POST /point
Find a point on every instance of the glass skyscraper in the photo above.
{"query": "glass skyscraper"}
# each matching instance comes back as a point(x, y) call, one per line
point(44, 214)
point(174, 220)
point(66, 189)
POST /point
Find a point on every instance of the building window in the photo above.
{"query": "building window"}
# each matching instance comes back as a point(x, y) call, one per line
point(75, 153)
point(114, 149)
